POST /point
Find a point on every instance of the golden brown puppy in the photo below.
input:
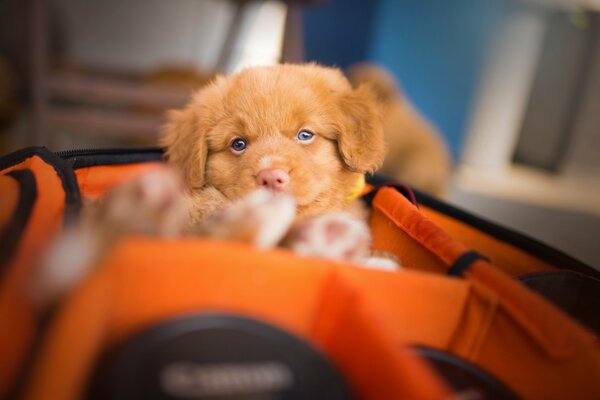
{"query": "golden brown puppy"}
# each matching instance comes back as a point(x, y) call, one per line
point(417, 153)
point(299, 129)
point(271, 156)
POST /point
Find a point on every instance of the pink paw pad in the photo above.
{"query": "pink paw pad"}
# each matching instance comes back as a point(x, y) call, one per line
point(335, 236)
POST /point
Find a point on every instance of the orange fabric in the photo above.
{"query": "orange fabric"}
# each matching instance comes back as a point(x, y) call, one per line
point(570, 366)
point(9, 199)
point(508, 258)
point(359, 317)
point(427, 248)
point(71, 346)
point(353, 332)
point(94, 181)
point(412, 223)
point(146, 281)
point(389, 238)
point(415, 305)
point(18, 317)
point(550, 343)
point(558, 335)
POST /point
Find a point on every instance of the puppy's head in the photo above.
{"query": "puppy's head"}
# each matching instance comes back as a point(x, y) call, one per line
point(295, 128)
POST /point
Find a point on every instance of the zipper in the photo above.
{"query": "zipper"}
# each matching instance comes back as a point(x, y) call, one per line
point(66, 154)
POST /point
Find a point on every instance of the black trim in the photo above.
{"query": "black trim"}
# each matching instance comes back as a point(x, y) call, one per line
point(379, 181)
point(62, 169)
point(464, 262)
point(12, 233)
point(19, 156)
point(94, 157)
point(519, 240)
point(463, 376)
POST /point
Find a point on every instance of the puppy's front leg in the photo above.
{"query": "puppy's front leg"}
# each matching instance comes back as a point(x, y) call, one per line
point(261, 218)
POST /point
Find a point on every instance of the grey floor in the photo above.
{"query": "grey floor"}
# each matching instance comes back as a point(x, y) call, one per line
point(574, 233)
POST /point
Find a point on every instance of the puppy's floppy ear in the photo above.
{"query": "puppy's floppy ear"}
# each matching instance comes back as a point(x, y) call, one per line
point(185, 145)
point(185, 136)
point(360, 131)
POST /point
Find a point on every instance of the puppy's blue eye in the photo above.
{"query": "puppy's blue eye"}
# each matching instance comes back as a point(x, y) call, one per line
point(238, 145)
point(305, 136)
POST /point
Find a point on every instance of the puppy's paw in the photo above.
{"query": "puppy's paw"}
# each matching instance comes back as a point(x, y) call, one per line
point(381, 263)
point(151, 204)
point(337, 236)
point(261, 218)
point(70, 257)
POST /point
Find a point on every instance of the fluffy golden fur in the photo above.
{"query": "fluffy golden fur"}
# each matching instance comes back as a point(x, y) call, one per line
point(417, 153)
point(267, 107)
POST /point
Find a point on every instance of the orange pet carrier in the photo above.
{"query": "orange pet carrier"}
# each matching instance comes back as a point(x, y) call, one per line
point(478, 310)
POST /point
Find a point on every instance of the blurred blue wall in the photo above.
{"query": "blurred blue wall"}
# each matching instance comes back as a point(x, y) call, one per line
point(436, 48)
point(339, 31)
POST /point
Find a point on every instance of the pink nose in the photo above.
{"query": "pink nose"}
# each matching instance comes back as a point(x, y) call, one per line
point(273, 179)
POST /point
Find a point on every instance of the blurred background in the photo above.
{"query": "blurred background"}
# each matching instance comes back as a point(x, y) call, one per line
point(513, 86)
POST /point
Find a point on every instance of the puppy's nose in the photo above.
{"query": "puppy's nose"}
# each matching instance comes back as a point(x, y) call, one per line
point(273, 179)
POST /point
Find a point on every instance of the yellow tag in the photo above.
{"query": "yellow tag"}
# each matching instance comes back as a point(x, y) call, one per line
point(358, 188)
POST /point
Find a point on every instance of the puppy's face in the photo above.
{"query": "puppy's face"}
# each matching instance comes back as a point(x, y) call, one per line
point(295, 128)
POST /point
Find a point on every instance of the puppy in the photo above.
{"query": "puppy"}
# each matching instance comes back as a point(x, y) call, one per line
point(417, 153)
point(299, 130)
point(271, 156)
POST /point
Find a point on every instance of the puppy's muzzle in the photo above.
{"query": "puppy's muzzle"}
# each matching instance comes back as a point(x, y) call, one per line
point(274, 179)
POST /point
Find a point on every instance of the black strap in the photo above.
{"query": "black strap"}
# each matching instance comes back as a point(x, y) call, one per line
point(62, 169)
point(404, 190)
point(464, 262)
